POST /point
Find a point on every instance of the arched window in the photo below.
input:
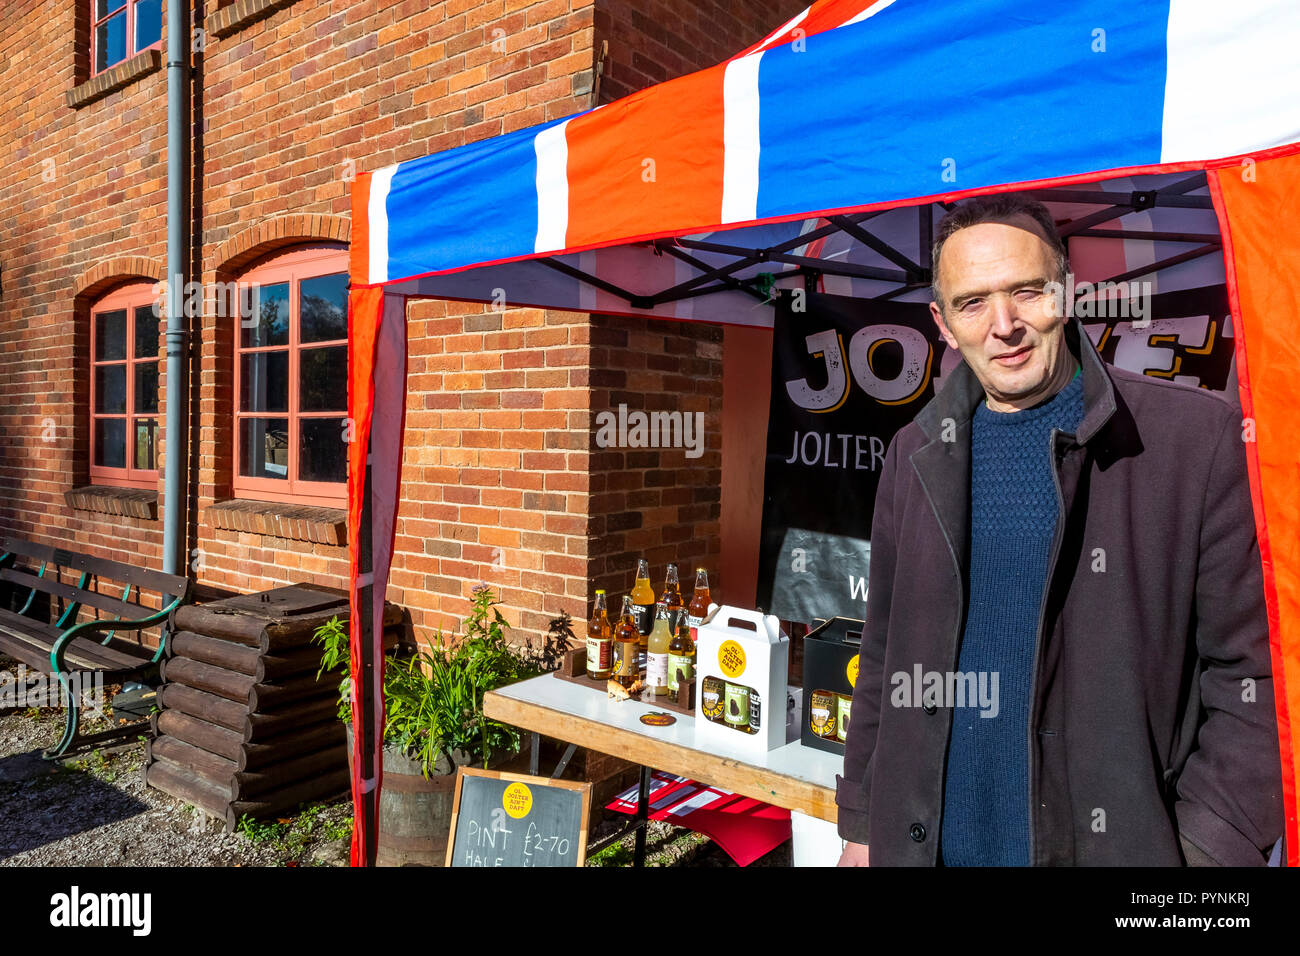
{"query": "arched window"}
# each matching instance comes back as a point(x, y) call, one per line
point(124, 400)
point(291, 385)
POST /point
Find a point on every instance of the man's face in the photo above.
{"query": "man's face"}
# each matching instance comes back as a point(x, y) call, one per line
point(998, 315)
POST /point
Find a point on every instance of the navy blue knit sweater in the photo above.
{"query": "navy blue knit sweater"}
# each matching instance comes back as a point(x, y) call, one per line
point(1013, 519)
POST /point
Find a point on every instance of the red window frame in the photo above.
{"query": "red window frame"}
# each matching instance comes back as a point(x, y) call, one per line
point(292, 267)
point(130, 6)
point(128, 297)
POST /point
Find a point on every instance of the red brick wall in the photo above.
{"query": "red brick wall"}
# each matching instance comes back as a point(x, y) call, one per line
point(366, 90)
point(79, 188)
point(502, 482)
point(655, 40)
point(655, 503)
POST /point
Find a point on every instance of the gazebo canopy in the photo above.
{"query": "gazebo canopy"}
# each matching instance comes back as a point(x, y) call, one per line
point(824, 154)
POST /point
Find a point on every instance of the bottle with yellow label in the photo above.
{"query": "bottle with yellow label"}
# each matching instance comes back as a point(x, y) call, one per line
point(712, 698)
point(656, 668)
point(681, 657)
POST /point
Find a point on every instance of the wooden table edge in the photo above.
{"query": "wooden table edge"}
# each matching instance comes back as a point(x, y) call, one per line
point(793, 793)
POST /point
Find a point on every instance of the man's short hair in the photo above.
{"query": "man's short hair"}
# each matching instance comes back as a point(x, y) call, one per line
point(1000, 207)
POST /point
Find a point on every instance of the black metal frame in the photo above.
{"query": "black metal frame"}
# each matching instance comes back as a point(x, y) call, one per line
point(908, 274)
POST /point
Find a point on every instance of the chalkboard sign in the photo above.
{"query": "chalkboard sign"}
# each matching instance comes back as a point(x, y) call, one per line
point(510, 819)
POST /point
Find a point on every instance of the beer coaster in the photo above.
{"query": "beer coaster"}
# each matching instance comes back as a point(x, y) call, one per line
point(658, 718)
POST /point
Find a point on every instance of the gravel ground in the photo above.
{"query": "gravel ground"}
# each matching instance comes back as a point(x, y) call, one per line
point(94, 810)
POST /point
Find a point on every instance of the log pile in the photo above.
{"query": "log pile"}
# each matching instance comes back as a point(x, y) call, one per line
point(244, 726)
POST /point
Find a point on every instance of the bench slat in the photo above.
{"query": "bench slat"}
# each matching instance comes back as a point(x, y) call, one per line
point(30, 642)
point(169, 584)
point(10, 620)
point(126, 610)
point(26, 653)
point(37, 655)
point(42, 553)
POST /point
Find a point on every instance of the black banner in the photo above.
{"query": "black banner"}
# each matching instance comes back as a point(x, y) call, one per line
point(848, 373)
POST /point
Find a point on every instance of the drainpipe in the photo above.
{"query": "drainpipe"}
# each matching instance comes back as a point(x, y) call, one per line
point(178, 269)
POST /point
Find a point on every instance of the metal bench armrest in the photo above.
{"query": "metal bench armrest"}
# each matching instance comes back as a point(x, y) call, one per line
point(159, 617)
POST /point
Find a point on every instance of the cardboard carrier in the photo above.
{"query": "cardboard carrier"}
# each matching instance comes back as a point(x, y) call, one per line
point(742, 659)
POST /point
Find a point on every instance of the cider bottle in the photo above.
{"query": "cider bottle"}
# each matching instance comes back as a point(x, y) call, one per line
point(643, 598)
point(681, 658)
point(672, 598)
point(627, 646)
point(600, 641)
point(700, 600)
point(656, 670)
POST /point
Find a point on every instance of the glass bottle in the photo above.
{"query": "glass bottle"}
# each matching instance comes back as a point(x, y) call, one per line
point(681, 658)
point(600, 640)
point(656, 670)
point(672, 598)
point(643, 598)
point(698, 609)
point(627, 646)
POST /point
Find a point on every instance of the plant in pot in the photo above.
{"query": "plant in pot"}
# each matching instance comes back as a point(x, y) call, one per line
point(434, 722)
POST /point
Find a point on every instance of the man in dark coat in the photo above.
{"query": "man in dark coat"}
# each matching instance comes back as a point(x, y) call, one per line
point(1065, 659)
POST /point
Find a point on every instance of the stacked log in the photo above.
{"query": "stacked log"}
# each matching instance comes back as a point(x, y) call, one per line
point(245, 727)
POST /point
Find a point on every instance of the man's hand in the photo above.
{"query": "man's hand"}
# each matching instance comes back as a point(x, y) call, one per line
point(855, 854)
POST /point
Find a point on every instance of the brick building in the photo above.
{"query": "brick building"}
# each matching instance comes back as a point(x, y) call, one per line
point(502, 480)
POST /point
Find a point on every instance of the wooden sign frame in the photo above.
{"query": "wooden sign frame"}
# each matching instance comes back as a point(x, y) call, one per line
point(581, 787)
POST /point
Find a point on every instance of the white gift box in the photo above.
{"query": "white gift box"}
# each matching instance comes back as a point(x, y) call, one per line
point(744, 649)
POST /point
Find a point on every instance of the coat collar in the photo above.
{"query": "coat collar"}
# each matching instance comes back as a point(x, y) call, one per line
point(942, 464)
point(962, 393)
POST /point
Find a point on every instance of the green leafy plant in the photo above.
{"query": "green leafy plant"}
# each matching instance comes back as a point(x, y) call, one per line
point(261, 831)
point(337, 829)
point(616, 854)
point(433, 699)
point(295, 835)
point(97, 765)
point(336, 655)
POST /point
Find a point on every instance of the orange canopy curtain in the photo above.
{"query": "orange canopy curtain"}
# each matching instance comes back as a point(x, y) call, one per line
point(1259, 212)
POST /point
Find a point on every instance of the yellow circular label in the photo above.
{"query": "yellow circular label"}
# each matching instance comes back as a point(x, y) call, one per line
point(517, 800)
point(852, 671)
point(731, 658)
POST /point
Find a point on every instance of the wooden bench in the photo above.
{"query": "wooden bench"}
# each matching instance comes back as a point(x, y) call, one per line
point(63, 646)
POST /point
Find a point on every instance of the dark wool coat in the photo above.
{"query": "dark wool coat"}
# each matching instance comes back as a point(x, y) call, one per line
point(1151, 712)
